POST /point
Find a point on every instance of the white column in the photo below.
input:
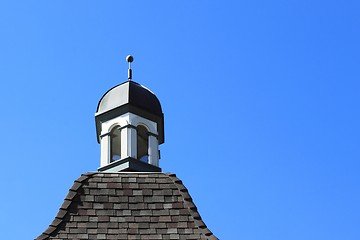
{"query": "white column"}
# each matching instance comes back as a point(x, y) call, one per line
point(124, 143)
point(104, 150)
point(131, 142)
point(153, 150)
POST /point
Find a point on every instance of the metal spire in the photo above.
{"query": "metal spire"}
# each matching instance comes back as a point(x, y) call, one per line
point(129, 59)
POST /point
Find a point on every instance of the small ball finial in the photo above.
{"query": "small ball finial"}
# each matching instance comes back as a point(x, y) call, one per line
point(129, 58)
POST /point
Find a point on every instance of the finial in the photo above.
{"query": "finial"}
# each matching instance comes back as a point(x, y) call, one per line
point(129, 59)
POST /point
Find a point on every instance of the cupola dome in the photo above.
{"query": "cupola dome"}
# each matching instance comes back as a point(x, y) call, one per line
point(130, 97)
point(132, 93)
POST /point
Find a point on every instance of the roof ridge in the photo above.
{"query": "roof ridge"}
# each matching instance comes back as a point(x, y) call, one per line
point(188, 202)
point(64, 209)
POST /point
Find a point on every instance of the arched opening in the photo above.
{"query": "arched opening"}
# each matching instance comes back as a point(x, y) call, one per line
point(115, 144)
point(142, 143)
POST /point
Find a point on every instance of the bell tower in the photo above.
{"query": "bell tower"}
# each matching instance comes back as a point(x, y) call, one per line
point(129, 127)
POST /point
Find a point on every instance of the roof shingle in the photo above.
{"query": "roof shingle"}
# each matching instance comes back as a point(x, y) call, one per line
point(127, 206)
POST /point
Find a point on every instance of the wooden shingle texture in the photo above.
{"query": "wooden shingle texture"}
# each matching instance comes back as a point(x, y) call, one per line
point(127, 206)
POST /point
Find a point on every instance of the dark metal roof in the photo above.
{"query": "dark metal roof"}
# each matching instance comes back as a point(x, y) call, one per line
point(132, 93)
point(127, 206)
point(130, 97)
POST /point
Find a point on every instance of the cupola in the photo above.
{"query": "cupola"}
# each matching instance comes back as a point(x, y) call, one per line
point(129, 127)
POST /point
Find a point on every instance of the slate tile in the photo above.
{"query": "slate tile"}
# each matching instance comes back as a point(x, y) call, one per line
point(137, 192)
point(92, 231)
point(145, 231)
point(162, 212)
point(107, 225)
point(81, 218)
point(150, 180)
point(76, 186)
point(98, 205)
point(149, 186)
point(172, 230)
point(174, 236)
point(184, 212)
point(85, 205)
point(133, 231)
point(177, 205)
point(179, 218)
point(70, 195)
point(104, 218)
point(142, 219)
point(111, 236)
point(49, 230)
point(82, 178)
point(146, 212)
point(92, 185)
point(152, 237)
point(102, 230)
point(136, 199)
point(108, 192)
point(158, 198)
point(93, 219)
point(164, 219)
point(91, 212)
point(132, 179)
point(133, 206)
point(155, 206)
point(134, 237)
point(101, 236)
point(124, 225)
point(61, 213)
point(123, 199)
point(158, 225)
point(113, 185)
point(88, 198)
point(127, 192)
point(56, 222)
point(117, 219)
point(107, 212)
point(102, 185)
point(108, 205)
point(147, 192)
point(125, 179)
point(101, 199)
point(167, 186)
point(114, 199)
point(162, 231)
point(168, 192)
point(125, 212)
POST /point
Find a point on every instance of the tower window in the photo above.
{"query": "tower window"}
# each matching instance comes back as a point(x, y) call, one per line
point(142, 144)
point(115, 145)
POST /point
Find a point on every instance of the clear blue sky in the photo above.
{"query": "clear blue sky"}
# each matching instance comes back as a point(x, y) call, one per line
point(261, 103)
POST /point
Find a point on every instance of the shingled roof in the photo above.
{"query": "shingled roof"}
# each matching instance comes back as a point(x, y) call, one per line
point(127, 206)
